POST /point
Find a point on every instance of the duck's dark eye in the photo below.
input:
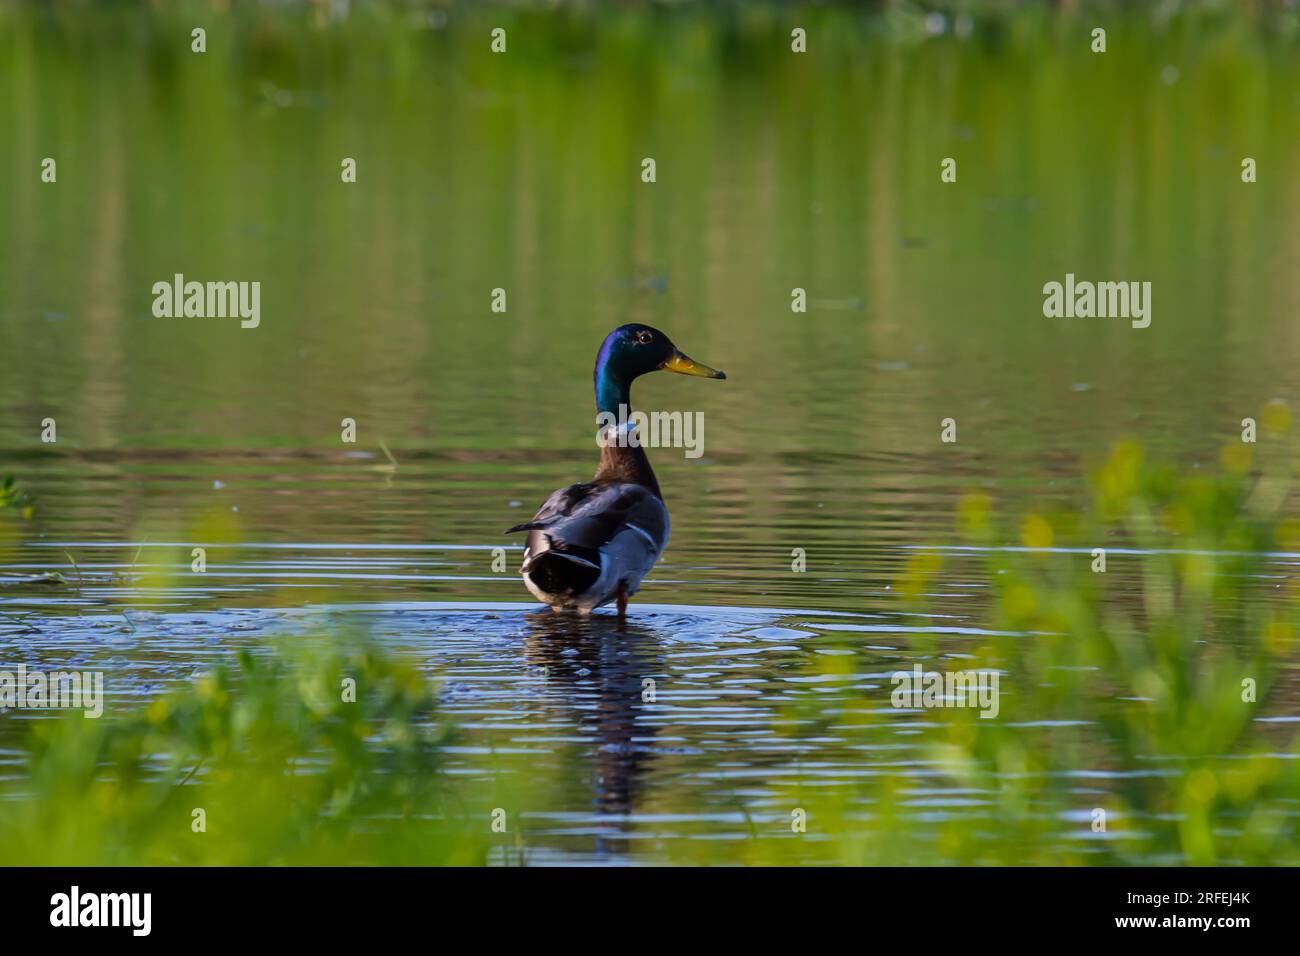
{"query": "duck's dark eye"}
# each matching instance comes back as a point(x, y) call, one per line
point(644, 338)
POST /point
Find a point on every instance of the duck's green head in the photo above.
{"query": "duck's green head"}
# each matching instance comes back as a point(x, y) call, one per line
point(633, 350)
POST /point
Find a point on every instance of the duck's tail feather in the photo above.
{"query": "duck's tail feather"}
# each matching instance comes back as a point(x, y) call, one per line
point(560, 572)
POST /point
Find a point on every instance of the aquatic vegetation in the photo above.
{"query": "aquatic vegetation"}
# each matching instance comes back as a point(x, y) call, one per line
point(318, 752)
point(1183, 672)
point(1136, 724)
point(15, 506)
point(13, 495)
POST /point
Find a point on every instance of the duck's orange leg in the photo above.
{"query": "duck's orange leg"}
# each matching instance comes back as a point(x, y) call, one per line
point(622, 602)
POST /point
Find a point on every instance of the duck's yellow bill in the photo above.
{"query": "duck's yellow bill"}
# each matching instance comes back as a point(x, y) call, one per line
point(684, 365)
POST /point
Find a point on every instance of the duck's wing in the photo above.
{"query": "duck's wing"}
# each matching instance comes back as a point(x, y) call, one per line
point(581, 519)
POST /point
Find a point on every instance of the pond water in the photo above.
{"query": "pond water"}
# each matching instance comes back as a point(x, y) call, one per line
point(523, 172)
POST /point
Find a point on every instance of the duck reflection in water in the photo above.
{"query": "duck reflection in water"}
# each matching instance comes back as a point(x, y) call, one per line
point(607, 685)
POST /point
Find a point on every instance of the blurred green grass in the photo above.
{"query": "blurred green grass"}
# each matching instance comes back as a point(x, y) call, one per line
point(287, 765)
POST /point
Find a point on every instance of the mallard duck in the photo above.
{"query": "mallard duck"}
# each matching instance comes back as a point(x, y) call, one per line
point(592, 543)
